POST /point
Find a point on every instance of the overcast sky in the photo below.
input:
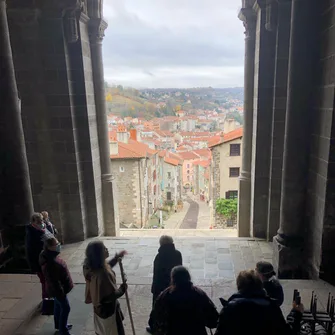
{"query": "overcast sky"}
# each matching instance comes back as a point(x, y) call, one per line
point(173, 43)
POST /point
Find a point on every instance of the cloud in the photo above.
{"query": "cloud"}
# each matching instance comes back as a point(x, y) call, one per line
point(185, 42)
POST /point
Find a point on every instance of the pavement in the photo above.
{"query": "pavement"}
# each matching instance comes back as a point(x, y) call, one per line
point(191, 218)
point(213, 262)
point(175, 220)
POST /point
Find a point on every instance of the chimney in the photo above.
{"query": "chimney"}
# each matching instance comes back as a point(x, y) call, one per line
point(133, 134)
point(113, 147)
point(122, 134)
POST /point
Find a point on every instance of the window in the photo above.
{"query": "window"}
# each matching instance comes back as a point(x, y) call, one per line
point(234, 172)
point(232, 195)
point(188, 166)
point(169, 175)
point(168, 196)
point(188, 171)
point(169, 185)
point(235, 150)
point(188, 177)
point(121, 169)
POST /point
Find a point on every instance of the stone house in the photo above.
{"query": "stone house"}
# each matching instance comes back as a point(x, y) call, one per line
point(225, 170)
point(134, 168)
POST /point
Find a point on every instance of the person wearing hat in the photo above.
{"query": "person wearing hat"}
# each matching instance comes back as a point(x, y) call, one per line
point(271, 284)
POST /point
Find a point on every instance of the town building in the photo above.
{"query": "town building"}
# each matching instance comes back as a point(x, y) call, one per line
point(225, 170)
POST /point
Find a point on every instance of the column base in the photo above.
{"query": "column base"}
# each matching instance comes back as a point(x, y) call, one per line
point(111, 219)
point(288, 258)
point(244, 202)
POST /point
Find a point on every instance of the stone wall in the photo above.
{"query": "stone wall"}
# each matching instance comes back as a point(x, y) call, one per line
point(127, 178)
point(321, 187)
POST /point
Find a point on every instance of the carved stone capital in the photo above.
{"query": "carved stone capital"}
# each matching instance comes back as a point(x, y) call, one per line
point(249, 18)
point(97, 29)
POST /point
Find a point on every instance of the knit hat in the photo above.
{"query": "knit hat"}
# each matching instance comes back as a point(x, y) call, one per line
point(266, 269)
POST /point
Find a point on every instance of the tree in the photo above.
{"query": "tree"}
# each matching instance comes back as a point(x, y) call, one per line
point(227, 208)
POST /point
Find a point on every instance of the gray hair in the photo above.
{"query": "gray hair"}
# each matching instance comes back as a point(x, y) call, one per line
point(165, 239)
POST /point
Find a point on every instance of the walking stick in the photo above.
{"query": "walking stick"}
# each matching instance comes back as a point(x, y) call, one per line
point(124, 281)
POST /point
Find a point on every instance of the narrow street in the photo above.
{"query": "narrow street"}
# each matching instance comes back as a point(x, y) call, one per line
point(191, 218)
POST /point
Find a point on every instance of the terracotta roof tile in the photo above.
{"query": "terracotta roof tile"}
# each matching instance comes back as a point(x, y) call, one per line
point(188, 155)
point(171, 161)
point(232, 135)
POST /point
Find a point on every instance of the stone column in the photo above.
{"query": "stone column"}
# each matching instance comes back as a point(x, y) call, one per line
point(97, 27)
point(289, 245)
point(15, 193)
point(248, 17)
point(279, 113)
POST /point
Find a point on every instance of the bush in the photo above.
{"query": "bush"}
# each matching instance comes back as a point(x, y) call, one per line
point(227, 208)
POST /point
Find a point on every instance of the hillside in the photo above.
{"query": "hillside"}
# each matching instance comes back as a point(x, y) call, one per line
point(150, 103)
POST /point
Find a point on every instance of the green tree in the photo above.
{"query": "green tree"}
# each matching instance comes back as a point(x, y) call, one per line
point(227, 208)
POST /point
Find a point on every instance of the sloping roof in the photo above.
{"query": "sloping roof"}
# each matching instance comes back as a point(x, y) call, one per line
point(232, 135)
point(133, 149)
point(171, 161)
point(195, 133)
point(126, 151)
point(203, 152)
point(203, 163)
point(188, 155)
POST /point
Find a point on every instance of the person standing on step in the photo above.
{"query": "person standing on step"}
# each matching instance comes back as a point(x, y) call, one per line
point(271, 284)
point(58, 283)
point(49, 225)
point(182, 308)
point(101, 289)
point(36, 234)
point(166, 259)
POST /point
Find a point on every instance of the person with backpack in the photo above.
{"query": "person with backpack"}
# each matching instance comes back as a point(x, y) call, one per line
point(58, 283)
point(251, 311)
point(183, 308)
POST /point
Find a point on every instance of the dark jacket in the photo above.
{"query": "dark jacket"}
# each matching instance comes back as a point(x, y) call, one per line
point(274, 290)
point(51, 227)
point(166, 259)
point(57, 276)
point(184, 311)
point(256, 314)
point(34, 245)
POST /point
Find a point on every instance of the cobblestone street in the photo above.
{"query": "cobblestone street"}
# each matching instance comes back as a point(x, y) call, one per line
point(191, 218)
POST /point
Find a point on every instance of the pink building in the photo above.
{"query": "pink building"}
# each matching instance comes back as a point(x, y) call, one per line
point(188, 158)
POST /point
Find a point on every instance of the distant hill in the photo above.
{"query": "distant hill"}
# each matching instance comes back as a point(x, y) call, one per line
point(127, 101)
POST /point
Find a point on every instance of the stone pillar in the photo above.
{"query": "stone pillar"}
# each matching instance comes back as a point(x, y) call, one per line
point(262, 117)
point(15, 191)
point(97, 28)
point(279, 113)
point(248, 17)
point(289, 253)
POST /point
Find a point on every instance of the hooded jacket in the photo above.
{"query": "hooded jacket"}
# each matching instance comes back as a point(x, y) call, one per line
point(166, 259)
point(57, 276)
point(256, 313)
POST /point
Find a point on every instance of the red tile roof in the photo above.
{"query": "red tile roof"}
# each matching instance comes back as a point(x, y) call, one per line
point(232, 135)
point(126, 151)
point(203, 152)
point(203, 163)
point(188, 155)
point(133, 149)
point(171, 161)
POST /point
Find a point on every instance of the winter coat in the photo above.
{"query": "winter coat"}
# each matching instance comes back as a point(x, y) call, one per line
point(274, 290)
point(34, 245)
point(166, 259)
point(102, 292)
point(184, 311)
point(57, 276)
point(51, 227)
point(256, 314)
